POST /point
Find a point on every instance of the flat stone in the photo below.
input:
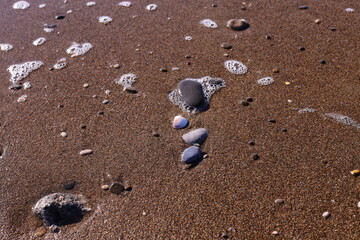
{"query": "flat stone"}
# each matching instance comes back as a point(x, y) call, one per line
point(303, 7)
point(238, 24)
point(191, 154)
point(191, 93)
point(279, 201)
point(196, 136)
point(130, 90)
point(15, 87)
point(86, 152)
point(226, 45)
point(180, 122)
point(40, 231)
point(116, 188)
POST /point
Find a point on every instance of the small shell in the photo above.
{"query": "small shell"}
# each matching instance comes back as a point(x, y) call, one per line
point(180, 122)
point(355, 172)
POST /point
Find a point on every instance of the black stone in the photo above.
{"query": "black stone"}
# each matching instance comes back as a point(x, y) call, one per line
point(60, 17)
point(69, 185)
point(323, 62)
point(191, 93)
point(333, 29)
point(52, 26)
point(271, 120)
point(101, 112)
point(243, 8)
point(156, 134)
point(214, 5)
point(284, 130)
point(187, 56)
point(301, 48)
point(82, 126)
point(245, 103)
point(15, 87)
point(249, 99)
point(303, 7)
point(116, 188)
point(131, 90)
point(252, 143)
point(163, 70)
point(268, 37)
point(255, 156)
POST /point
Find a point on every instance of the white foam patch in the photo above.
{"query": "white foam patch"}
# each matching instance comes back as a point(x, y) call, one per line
point(21, 5)
point(77, 49)
point(42, 5)
point(125, 4)
point(48, 30)
point(209, 23)
point(151, 7)
point(90, 4)
point(188, 38)
point(343, 119)
point(27, 85)
point(20, 71)
point(265, 81)
point(127, 80)
point(39, 41)
point(349, 10)
point(23, 98)
point(235, 67)
point(60, 64)
point(104, 19)
point(306, 110)
point(208, 89)
point(6, 47)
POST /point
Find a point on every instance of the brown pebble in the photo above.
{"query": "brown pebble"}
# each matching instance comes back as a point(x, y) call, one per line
point(226, 45)
point(276, 70)
point(105, 187)
point(237, 24)
point(40, 231)
point(116, 188)
point(279, 201)
point(131, 90)
point(116, 66)
point(255, 156)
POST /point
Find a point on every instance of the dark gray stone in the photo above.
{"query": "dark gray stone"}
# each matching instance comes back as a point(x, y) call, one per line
point(191, 154)
point(116, 188)
point(237, 24)
point(191, 93)
point(196, 136)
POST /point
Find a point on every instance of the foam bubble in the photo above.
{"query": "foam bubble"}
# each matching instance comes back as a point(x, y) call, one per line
point(77, 49)
point(42, 5)
point(306, 110)
point(6, 47)
point(265, 81)
point(235, 67)
point(21, 5)
point(151, 7)
point(188, 38)
point(27, 85)
point(349, 10)
point(90, 4)
point(209, 85)
point(209, 23)
point(60, 64)
point(47, 29)
point(125, 4)
point(39, 41)
point(127, 80)
point(20, 71)
point(343, 119)
point(23, 98)
point(104, 19)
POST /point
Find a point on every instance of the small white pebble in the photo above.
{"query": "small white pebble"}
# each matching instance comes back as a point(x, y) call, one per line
point(349, 10)
point(107, 92)
point(86, 85)
point(275, 233)
point(27, 85)
point(188, 38)
point(144, 213)
point(326, 215)
point(22, 98)
point(63, 134)
point(42, 5)
point(90, 4)
point(85, 152)
point(358, 204)
point(105, 101)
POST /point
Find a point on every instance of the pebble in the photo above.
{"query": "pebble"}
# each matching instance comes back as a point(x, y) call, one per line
point(116, 188)
point(108, 92)
point(317, 21)
point(243, 8)
point(116, 66)
point(180, 122)
point(355, 172)
point(333, 29)
point(40, 231)
point(302, 48)
point(191, 93)
point(268, 37)
point(69, 185)
point(131, 90)
point(86, 85)
point(86, 152)
point(214, 5)
point(238, 24)
point(155, 134)
point(127, 186)
point(249, 99)
point(271, 120)
point(287, 83)
point(226, 45)
point(60, 17)
point(196, 136)
point(284, 130)
point(245, 103)
point(252, 143)
point(255, 156)
point(151, 7)
point(15, 87)
point(326, 215)
point(323, 62)
point(52, 26)
point(82, 126)
point(101, 112)
point(63, 134)
point(105, 101)
point(303, 7)
point(191, 154)
point(105, 187)
point(279, 201)
point(358, 204)
point(23, 98)
point(275, 233)
point(265, 81)
point(163, 70)
point(276, 70)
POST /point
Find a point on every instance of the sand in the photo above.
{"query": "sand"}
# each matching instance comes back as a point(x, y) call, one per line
point(228, 193)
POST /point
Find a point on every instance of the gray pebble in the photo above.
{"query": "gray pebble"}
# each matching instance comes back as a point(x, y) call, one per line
point(191, 154)
point(196, 136)
point(226, 45)
point(191, 93)
point(116, 188)
point(130, 90)
point(279, 201)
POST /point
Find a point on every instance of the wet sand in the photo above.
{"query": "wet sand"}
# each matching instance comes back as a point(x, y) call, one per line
point(228, 193)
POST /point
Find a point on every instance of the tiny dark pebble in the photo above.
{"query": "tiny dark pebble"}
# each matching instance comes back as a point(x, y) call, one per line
point(225, 236)
point(52, 26)
point(333, 29)
point(51, 69)
point(249, 99)
point(301, 48)
point(226, 45)
point(131, 90)
point(252, 143)
point(323, 62)
point(255, 156)
point(268, 37)
point(245, 103)
point(61, 106)
point(303, 7)
point(187, 56)
point(82, 126)
point(101, 112)
point(163, 70)
point(214, 5)
point(243, 8)
point(284, 130)
point(60, 17)
point(116, 188)
point(188, 63)
point(325, 161)
point(156, 134)
point(271, 120)
point(69, 185)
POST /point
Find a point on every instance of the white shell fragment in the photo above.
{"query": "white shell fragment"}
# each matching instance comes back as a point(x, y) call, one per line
point(151, 7)
point(235, 67)
point(5, 47)
point(180, 122)
point(21, 5)
point(125, 4)
point(188, 38)
point(127, 80)
point(265, 81)
point(209, 23)
point(343, 119)
point(77, 49)
point(20, 71)
point(85, 152)
point(27, 85)
point(105, 19)
point(39, 41)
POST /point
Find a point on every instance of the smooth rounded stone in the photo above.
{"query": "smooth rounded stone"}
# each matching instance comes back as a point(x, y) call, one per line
point(275, 233)
point(252, 143)
point(255, 156)
point(116, 188)
point(86, 152)
point(245, 103)
point(326, 215)
point(226, 45)
point(249, 99)
point(191, 154)
point(191, 93)
point(131, 90)
point(358, 204)
point(180, 122)
point(40, 231)
point(271, 120)
point(302, 48)
point(303, 7)
point(15, 87)
point(105, 101)
point(238, 24)
point(105, 187)
point(60, 209)
point(60, 17)
point(323, 62)
point(69, 185)
point(196, 136)
point(279, 201)
point(63, 134)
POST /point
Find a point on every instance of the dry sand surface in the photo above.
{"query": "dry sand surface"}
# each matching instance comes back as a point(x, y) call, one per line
point(228, 194)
